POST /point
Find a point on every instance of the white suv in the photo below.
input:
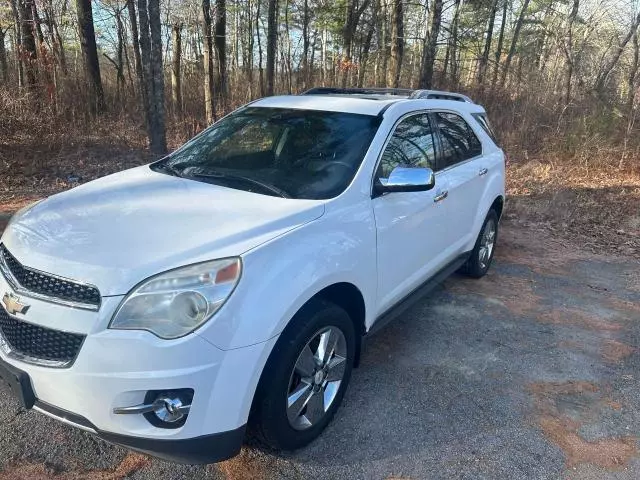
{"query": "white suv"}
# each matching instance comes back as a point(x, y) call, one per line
point(167, 307)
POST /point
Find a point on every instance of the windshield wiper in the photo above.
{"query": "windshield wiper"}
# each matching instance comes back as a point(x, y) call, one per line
point(168, 168)
point(240, 178)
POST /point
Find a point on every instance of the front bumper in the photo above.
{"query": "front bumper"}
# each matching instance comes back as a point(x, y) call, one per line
point(117, 368)
point(198, 450)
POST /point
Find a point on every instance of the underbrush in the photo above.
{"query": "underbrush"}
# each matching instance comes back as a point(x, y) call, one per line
point(574, 171)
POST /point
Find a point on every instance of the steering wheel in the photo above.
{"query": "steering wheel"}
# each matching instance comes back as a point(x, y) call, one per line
point(337, 163)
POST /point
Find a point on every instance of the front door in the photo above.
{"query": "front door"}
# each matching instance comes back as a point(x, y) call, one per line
point(411, 226)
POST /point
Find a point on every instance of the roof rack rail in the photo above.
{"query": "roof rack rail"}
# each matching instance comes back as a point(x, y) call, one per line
point(440, 95)
point(397, 92)
point(404, 92)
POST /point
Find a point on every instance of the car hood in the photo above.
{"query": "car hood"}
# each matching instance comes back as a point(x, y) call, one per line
point(118, 230)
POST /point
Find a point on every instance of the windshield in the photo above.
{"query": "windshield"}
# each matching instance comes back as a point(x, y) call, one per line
point(283, 152)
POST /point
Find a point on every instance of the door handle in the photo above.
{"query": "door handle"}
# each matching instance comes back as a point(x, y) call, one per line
point(483, 171)
point(441, 196)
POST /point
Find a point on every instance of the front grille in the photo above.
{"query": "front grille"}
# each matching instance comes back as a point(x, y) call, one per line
point(49, 285)
point(39, 343)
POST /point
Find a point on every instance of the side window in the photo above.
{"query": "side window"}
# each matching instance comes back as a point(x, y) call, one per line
point(458, 140)
point(483, 121)
point(410, 146)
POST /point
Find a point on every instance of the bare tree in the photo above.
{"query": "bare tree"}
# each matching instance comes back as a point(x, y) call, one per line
point(151, 53)
point(4, 68)
point(514, 42)
point(220, 45)
point(176, 77)
point(29, 55)
point(430, 46)
point(353, 14)
point(133, 22)
point(272, 39)
point(498, 54)
point(484, 59)
point(397, 44)
point(87, 36)
point(209, 106)
point(567, 48)
point(608, 66)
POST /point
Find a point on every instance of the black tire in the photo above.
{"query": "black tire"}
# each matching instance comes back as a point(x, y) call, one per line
point(474, 266)
point(269, 422)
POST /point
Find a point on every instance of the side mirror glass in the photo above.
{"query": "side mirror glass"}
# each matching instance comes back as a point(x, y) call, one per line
point(404, 179)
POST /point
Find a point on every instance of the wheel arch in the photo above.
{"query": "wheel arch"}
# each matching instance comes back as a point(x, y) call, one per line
point(349, 297)
point(498, 205)
point(343, 294)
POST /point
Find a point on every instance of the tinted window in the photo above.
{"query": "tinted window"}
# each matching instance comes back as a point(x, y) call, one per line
point(458, 140)
point(411, 145)
point(293, 153)
point(482, 119)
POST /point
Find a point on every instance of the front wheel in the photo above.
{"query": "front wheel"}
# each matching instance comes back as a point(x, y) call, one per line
point(482, 254)
point(305, 378)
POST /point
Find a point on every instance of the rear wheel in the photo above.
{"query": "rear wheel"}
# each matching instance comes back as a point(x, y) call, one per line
point(482, 254)
point(305, 378)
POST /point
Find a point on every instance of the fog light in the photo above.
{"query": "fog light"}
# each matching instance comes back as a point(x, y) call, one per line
point(162, 409)
point(170, 410)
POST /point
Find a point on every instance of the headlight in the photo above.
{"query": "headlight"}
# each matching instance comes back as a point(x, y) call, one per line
point(175, 303)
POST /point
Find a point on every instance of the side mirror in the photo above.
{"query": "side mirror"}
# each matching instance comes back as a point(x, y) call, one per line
point(404, 179)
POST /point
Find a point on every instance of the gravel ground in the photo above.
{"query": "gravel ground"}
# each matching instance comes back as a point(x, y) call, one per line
point(530, 372)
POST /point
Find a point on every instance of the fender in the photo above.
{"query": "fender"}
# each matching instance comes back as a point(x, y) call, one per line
point(280, 276)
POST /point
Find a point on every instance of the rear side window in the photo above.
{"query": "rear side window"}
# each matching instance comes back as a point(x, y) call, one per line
point(483, 121)
point(458, 141)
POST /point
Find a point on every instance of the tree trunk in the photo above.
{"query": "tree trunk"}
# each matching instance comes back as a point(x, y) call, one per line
point(54, 34)
point(136, 52)
point(604, 73)
point(4, 69)
point(353, 15)
point(484, 59)
point(305, 44)
point(87, 36)
point(260, 70)
point(209, 106)
point(367, 46)
point(287, 60)
point(29, 54)
point(272, 39)
point(496, 67)
point(323, 58)
point(514, 42)
point(17, 35)
point(631, 81)
point(430, 47)
point(453, 43)
point(567, 48)
point(397, 44)
point(151, 53)
point(176, 79)
point(220, 45)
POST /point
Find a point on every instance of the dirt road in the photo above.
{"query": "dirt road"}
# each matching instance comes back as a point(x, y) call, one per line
point(531, 372)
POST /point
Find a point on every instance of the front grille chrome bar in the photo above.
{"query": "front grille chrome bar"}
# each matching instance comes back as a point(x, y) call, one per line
point(22, 290)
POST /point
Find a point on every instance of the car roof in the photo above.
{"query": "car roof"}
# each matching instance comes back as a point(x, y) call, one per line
point(365, 104)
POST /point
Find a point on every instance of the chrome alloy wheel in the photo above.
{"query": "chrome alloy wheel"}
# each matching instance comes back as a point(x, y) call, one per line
point(487, 241)
point(316, 378)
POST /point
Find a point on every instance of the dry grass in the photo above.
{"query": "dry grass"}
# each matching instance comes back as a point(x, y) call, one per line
point(571, 172)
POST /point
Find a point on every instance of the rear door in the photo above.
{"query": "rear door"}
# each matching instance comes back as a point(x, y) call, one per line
point(464, 170)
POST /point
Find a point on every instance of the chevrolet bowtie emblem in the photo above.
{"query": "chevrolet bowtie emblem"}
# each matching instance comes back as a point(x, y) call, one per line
point(12, 304)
